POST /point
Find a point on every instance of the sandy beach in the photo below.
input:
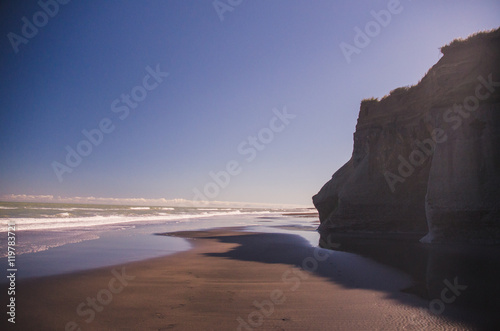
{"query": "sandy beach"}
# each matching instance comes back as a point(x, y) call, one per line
point(231, 280)
point(250, 165)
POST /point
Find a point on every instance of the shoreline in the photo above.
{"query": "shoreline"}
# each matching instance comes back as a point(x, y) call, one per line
point(45, 253)
point(229, 279)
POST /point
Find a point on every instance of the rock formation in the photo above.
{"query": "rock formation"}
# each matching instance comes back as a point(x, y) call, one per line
point(426, 158)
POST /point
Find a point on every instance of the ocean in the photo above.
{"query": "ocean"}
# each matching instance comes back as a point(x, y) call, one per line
point(60, 238)
point(44, 216)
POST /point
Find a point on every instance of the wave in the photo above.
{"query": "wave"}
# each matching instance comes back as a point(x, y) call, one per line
point(91, 221)
point(39, 244)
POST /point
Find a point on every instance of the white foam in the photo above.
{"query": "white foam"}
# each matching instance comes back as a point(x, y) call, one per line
point(39, 244)
point(74, 222)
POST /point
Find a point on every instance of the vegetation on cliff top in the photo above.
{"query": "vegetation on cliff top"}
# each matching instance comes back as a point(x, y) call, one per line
point(473, 39)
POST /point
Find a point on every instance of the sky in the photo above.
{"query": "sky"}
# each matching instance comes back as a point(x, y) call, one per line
point(233, 100)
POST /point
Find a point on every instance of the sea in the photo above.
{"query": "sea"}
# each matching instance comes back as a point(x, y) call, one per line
point(60, 238)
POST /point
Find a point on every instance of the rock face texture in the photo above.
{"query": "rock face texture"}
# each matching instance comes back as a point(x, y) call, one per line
point(426, 158)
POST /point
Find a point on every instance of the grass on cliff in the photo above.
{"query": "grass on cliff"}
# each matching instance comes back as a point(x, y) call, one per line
point(369, 100)
point(473, 39)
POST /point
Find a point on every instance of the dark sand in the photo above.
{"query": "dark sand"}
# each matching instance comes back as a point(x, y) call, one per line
point(221, 281)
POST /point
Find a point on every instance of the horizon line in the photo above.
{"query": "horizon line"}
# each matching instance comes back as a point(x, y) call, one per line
point(144, 201)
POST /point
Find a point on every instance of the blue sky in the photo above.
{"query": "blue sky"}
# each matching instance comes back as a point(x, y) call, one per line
point(227, 80)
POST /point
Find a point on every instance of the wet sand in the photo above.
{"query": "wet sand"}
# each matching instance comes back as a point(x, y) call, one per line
point(230, 280)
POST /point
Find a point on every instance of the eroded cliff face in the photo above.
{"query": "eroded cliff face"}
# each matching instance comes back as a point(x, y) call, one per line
point(426, 159)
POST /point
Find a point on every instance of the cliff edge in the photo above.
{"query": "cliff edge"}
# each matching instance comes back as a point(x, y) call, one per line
point(426, 158)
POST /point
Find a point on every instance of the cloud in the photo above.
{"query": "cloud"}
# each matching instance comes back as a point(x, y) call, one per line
point(141, 201)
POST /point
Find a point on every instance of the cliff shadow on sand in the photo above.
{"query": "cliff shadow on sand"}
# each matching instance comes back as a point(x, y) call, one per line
point(410, 269)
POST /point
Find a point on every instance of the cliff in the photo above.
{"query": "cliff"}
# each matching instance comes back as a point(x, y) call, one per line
point(426, 158)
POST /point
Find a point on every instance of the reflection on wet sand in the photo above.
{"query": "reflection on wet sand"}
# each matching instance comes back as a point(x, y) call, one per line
point(459, 281)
